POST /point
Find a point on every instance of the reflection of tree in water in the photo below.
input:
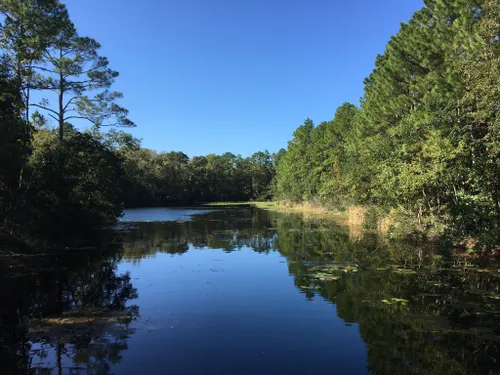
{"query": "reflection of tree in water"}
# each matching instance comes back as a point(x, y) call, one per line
point(265, 231)
point(50, 301)
point(449, 325)
point(225, 229)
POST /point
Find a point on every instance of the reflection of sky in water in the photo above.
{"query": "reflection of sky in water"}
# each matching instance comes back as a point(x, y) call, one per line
point(43, 355)
point(244, 291)
point(160, 214)
point(212, 312)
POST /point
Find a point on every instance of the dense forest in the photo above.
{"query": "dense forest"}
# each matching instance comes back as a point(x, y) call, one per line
point(57, 181)
point(423, 146)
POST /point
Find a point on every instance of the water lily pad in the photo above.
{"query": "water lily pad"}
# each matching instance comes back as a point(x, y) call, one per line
point(392, 301)
point(328, 278)
point(405, 271)
point(401, 300)
point(308, 287)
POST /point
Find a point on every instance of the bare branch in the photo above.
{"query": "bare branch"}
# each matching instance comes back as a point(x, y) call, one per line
point(69, 102)
point(80, 117)
point(44, 69)
point(51, 59)
point(118, 125)
point(42, 107)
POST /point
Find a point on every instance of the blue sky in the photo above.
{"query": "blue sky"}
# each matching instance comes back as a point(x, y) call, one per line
point(210, 76)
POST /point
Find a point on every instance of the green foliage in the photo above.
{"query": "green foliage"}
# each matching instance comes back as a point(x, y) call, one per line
point(172, 178)
point(426, 137)
point(293, 173)
point(14, 147)
point(424, 142)
point(59, 188)
point(71, 188)
point(47, 54)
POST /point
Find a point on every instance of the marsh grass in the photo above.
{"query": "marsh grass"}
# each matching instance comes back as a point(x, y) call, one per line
point(358, 219)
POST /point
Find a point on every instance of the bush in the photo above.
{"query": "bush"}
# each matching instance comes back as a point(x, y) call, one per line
point(73, 188)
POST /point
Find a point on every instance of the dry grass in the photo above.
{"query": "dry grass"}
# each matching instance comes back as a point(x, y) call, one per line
point(310, 208)
point(307, 209)
point(355, 220)
point(356, 216)
point(384, 225)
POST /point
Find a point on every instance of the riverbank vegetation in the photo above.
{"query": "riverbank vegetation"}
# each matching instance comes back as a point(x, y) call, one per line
point(420, 154)
point(61, 176)
point(55, 181)
point(423, 147)
point(172, 178)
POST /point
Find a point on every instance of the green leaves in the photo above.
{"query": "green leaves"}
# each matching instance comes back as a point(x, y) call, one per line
point(426, 137)
point(172, 178)
point(48, 55)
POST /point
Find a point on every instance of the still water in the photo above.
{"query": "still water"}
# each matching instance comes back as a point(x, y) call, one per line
point(246, 291)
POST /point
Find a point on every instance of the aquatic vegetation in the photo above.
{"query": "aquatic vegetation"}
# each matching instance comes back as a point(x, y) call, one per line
point(391, 301)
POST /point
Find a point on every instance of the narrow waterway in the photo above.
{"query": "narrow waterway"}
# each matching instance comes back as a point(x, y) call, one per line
point(246, 291)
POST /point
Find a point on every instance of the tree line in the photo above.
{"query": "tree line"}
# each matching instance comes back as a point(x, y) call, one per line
point(59, 183)
point(424, 142)
point(153, 178)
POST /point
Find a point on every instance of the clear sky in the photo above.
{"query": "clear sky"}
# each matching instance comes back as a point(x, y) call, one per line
point(210, 76)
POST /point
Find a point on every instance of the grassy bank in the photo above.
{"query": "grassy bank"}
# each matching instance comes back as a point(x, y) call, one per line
point(307, 209)
point(358, 218)
point(395, 223)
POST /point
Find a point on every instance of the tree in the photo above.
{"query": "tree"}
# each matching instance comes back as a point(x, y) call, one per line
point(334, 155)
point(76, 184)
point(81, 80)
point(88, 195)
point(47, 54)
point(28, 30)
point(293, 169)
point(14, 147)
point(262, 173)
point(173, 178)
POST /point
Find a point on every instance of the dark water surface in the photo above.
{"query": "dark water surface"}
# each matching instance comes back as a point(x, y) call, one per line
point(245, 291)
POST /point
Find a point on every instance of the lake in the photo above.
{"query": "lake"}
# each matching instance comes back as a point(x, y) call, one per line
point(240, 290)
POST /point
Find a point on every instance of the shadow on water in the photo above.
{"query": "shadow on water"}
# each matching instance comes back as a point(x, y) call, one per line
point(417, 311)
point(64, 313)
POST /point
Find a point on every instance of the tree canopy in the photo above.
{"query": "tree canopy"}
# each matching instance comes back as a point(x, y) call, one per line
point(424, 140)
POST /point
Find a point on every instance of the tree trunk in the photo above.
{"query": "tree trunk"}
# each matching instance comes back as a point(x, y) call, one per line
point(61, 98)
point(27, 105)
point(64, 196)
